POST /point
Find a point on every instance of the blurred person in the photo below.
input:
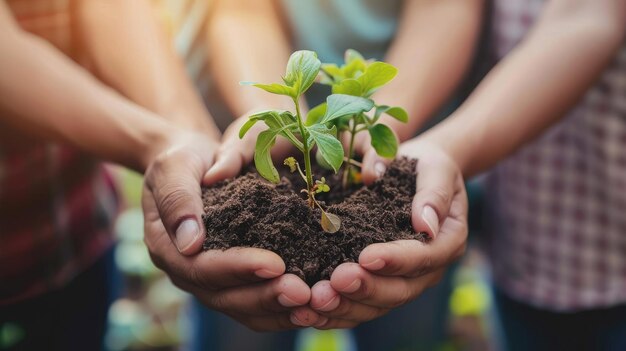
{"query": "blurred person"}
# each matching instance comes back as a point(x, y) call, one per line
point(553, 114)
point(432, 58)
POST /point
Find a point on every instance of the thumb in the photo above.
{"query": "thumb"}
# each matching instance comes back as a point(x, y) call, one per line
point(374, 166)
point(436, 181)
point(228, 165)
point(175, 186)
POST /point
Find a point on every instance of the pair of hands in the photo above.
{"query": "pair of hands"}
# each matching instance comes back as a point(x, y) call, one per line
point(249, 284)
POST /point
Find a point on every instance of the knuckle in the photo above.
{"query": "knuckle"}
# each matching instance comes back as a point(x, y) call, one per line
point(367, 290)
point(403, 297)
point(172, 197)
point(440, 196)
point(342, 311)
point(424, 266)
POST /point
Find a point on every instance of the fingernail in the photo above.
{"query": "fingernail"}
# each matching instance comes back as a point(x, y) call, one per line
point(354, 286)
point(186, 234)
point(266, 274)
point(296, 321)
point(374, 265)
point(330, 305)
point(321, 321)
point(380, 169)
point(286, 302)
point(430, 217)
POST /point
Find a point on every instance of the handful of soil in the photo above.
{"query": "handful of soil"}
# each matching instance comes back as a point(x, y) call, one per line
point(251, 212)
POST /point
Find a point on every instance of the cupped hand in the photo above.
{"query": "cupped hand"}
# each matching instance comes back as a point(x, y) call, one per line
point(235, 153)
point(247, 284)
point(389, 275)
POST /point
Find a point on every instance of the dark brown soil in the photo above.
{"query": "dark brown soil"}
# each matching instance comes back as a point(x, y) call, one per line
point(249, 211)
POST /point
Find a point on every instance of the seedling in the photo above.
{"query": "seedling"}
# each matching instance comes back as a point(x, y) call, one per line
point(302, 70)
point(361, 78)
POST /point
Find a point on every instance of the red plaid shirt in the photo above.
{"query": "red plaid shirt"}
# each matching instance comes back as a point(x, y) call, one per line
point(557, 208)
point(56, 205)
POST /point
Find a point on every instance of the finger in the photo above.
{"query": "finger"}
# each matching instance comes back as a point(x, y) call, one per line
point(436, 186)
point(300, 317)
point(412, 258)
point(230, 161)
point(268, 298)
point(173, 180)
point(374, 166)
point(329, 303)
point(211, 269)
point(357, 284)
point(216, 269)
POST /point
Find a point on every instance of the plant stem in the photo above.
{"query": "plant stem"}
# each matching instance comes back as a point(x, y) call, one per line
point(348, 168)
point(307, 154)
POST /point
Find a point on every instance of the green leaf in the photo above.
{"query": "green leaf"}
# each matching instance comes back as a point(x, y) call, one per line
point(396, 112)
point(329, 147)
point(252, 120)
point(273, 88)
point(315, 114)
point(351, 55)
point(341, 105)
point(376, 75)
point(246, 127)
point(330, 222)
point(384, 140)
point(331, 74)
point(263, 156)
point(302, 69)
point(354, 69)
point(321, 161)
point(348, 86)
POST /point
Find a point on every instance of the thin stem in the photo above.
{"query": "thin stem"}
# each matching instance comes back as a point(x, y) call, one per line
point(353, 162)
point(348, 168)
point(306, 152)
point(300, 171)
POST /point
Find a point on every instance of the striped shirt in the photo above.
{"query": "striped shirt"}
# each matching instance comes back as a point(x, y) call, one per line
point(56, 205)
point(557, 208)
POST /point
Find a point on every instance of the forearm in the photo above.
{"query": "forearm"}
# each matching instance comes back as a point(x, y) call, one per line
point(66, 104)
point(256, 48)
point(536, 84)
point(130, 52)
point(433, 49)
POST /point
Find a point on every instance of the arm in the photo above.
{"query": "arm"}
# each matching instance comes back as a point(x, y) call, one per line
point(256, 48)
point(432, 57)
point(66, 104)
point(432, 49)
point(129, 52)
point(536, 84)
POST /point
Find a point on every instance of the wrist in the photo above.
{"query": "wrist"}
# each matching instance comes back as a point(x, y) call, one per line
point(156, 140)
point(455, 140)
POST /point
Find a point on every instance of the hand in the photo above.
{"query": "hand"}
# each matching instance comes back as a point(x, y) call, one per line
point(235, 153)
point(392, 274)
point(247, 284)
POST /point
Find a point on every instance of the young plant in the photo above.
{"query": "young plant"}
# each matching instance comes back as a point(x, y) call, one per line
point(302, 70)
point(361, 78)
